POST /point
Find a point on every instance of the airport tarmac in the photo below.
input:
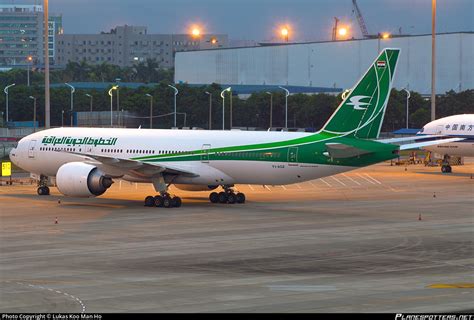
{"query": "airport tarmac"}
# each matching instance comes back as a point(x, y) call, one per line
point(348, 243)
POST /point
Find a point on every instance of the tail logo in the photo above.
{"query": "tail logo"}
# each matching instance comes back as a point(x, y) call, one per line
point(357, 103)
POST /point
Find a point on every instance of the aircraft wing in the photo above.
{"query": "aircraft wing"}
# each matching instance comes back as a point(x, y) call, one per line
point(341, 150)
point(428, 143)
point(119, 167)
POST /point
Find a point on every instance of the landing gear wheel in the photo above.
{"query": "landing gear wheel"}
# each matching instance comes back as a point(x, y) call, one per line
point(240, 197)
point(43, 191)
point(231, 198)
point(158, 201)
point(149, 201)
point(446, 169)
point(176, 202)
point(167, 202)
point(214, 197)
point(222, 197)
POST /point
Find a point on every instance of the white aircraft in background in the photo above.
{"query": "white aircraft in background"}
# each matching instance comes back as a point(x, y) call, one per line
point(85, 160)
point(457, 126)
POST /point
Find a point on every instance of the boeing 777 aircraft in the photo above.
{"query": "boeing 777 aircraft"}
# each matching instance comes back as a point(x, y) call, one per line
point(86, 160)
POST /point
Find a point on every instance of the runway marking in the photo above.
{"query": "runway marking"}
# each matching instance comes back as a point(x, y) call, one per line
point(69, 296)
point(372, 178)
point(365, 178)
point(266, 187)
point(251, 188)
point(299, 187)
point(452, 286)
point(351, 179)
point(301, 288)
point(334, 178)
point(325, 182)
point(284, 188)
point(312, 184)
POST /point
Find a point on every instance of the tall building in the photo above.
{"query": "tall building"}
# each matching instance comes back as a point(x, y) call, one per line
point(21, 35)
point(127, 45)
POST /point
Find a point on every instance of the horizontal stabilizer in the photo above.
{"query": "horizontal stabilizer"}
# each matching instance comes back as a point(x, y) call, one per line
point(412, 138)
point(342, 151)
point(428, 143)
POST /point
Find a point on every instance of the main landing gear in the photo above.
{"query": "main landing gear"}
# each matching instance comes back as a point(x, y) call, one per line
point(227, 196)
point(445, 166)
point(163, 200)
point(43, 189)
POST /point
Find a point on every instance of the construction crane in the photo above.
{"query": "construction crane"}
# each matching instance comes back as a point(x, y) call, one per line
point(360, 20)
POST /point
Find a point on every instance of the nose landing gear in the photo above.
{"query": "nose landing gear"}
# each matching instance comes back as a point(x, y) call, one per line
point(43, 189)
point(445, 166)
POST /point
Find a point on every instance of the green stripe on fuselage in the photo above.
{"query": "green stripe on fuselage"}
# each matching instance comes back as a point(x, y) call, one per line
point(309, 150)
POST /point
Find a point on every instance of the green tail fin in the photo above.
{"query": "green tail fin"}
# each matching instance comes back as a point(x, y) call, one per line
point(362, 111)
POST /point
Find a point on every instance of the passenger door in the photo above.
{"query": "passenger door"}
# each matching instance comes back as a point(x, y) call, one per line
point(32, 149)
point(439, 129)
point(293, 156)
point(205, 153)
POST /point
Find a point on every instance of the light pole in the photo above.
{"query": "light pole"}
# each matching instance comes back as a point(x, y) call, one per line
point(29, 59)
point(117, 83)
point(286, 105)
point(210, 109)
point(433, 60)
point(230, 114)
point(6, 101)
point(223, 103)
point(62, 118)
point(72, 98)
point(90, 112)
point(271, 109)
point(47, 109)
point(408, 98)
point(151, 109)
point(111, 105)
point(34, 112)
point(175, 94)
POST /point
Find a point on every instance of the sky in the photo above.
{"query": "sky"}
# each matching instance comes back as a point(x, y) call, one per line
point(259, 19)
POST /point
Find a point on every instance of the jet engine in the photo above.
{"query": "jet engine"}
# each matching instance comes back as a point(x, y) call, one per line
point(78, 179)
point(195, 187)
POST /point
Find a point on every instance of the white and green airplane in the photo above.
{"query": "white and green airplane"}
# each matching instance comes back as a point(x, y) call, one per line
point(85, 161)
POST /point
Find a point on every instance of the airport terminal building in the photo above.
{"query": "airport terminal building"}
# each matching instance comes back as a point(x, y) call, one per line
point(334, 64)
point(126, 45)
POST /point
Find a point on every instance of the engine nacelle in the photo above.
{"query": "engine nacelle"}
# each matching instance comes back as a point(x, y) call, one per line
point(195, 187)
point(78, 179)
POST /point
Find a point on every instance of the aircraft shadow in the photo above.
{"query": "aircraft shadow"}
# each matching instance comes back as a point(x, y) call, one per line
point(453, 174)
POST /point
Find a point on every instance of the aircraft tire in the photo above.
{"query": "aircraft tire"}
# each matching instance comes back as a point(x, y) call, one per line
point(176, 201)
point(167, 202)
point(231, 198)
point(214, 197)
point(158, 201)
point(43, 191)
point(240, 197)
point(149, 201)
point(222, 197)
